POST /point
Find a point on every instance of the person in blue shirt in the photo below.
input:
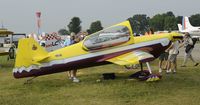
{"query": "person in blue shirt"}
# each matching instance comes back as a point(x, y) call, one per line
point(67, 41)
point(72, 73)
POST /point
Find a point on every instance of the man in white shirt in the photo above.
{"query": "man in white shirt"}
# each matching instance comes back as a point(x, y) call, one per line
point(189, 45)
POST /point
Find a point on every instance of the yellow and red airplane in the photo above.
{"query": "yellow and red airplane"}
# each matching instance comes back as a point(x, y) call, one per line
point(116, 44)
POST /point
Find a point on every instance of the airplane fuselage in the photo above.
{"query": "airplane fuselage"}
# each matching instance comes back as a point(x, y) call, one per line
point(116, 44)
point(154, 44)
point(192, 32)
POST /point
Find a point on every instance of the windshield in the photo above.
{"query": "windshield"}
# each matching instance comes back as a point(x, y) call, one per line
point(107, 38)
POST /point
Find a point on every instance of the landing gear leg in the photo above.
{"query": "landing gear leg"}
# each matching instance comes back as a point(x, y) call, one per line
point(141, 66)
point(141, 75)
point(149, 68)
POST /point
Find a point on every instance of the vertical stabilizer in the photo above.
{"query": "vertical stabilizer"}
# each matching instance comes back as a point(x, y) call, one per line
point(180, 28)
point(29, 52)
point(186, 23)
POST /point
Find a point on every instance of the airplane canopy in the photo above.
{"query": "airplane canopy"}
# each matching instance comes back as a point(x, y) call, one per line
point(107, 38)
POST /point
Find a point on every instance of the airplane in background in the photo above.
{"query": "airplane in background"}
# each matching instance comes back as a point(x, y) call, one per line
point(8, 42)
point(116, 44)
point(187, 27)
point(5, 41)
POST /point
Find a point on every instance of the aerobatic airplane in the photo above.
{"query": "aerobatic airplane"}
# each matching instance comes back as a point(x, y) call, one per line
point(116, 44)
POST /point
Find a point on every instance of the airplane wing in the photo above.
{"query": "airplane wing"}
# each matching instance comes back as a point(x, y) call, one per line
point(134, 57)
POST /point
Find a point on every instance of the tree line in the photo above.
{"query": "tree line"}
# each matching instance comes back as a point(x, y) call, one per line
point(75, 26)
point(141, 23)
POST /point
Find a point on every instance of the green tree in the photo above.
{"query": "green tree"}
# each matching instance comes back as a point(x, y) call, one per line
point(179, 19)
point(165, 21)
point(195, 20)
point(88, 31)
point(94, 27)
point(74, 25)
point(139, 23)
point(170, 23)
point(63, 32)
point(169, 13)
point(157, 22)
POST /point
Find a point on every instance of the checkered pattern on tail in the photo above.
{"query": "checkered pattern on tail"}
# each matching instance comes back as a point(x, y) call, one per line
point(52, 36)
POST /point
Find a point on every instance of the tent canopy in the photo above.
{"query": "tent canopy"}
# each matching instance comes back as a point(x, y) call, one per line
point(4, 32)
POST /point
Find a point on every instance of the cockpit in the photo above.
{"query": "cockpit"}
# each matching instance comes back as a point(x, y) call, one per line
point(110, 37)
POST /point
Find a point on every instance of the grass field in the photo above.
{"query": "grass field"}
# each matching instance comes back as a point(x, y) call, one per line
point(182, 88)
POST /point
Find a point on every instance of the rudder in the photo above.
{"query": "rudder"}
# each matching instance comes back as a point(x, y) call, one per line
point(29, 52)
point(186, 23)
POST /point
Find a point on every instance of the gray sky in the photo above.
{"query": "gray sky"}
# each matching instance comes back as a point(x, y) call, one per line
point(19, 15)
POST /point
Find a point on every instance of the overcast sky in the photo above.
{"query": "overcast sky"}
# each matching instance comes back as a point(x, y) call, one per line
point(19, 15)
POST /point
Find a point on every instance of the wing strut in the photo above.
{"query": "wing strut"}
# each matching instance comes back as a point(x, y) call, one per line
point(141, 66)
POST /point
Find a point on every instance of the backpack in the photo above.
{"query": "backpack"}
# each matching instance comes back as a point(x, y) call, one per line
point(188, 47)
point(194, 40)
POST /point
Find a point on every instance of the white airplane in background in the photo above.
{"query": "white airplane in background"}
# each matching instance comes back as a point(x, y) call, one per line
point(187, 27)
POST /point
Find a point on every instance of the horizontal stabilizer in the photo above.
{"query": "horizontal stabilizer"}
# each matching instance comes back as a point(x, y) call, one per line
point(40, 58)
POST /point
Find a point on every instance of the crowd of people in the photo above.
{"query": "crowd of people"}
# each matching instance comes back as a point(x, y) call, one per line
point(68, 40)
point(168, 59)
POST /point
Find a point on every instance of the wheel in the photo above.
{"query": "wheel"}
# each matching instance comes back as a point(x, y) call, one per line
point(140, 75)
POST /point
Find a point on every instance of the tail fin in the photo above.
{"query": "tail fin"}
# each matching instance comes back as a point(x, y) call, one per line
point(29, 52)
point(180, 28)
point(186, 23)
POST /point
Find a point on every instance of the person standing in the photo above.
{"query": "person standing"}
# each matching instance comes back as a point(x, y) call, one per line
point(72, 73)
point(163, 61)
point(173, 52)
point(67, 41)
point(189, 45)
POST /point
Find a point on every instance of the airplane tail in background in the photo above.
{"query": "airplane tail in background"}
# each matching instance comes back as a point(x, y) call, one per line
point(186, 23)
point(29, 52)
point(180, 28)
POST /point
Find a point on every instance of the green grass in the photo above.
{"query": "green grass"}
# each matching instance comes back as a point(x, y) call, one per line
point(174, 89)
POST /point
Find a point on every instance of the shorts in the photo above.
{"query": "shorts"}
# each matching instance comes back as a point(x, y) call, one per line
point(164, 56)
point(172, 58)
